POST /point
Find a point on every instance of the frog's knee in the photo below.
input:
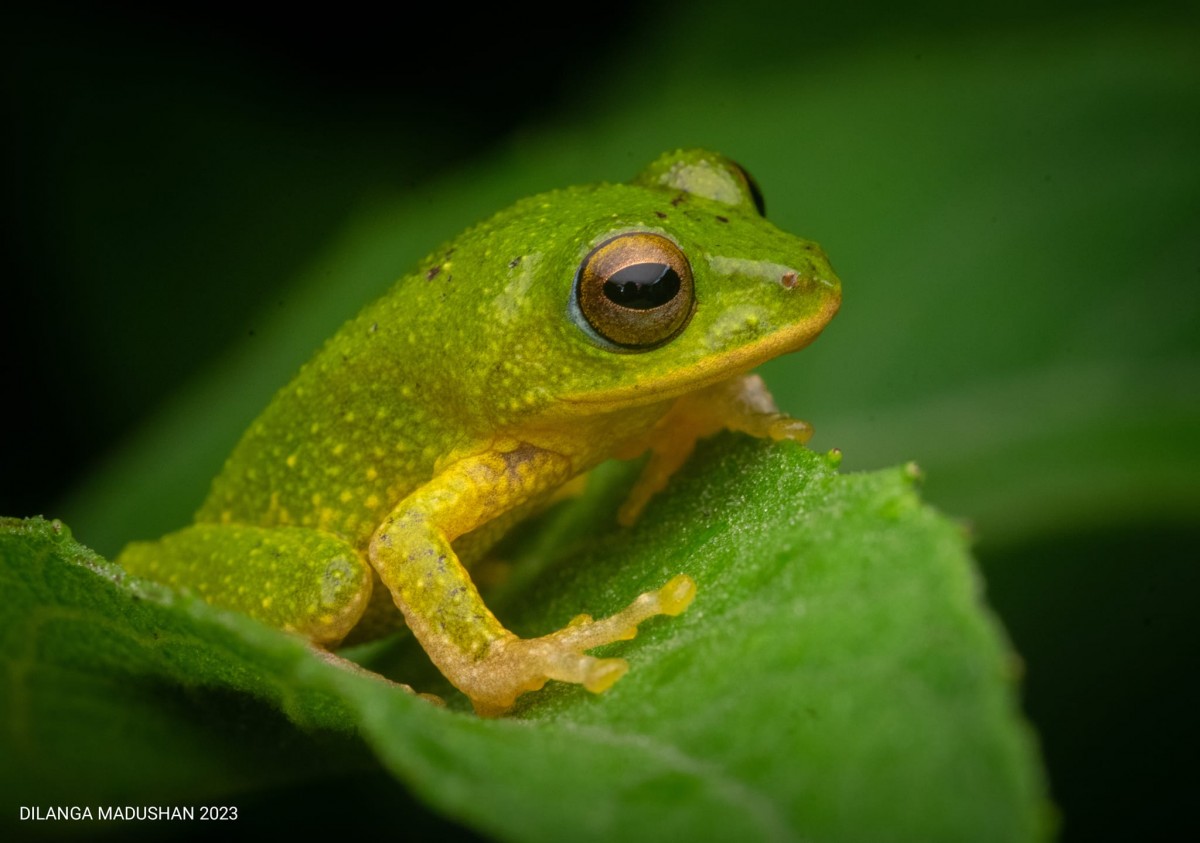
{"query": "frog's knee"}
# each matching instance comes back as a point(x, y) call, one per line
point(335, 600)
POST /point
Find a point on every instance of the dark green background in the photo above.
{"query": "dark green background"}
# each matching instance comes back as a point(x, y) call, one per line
point(1011, 195)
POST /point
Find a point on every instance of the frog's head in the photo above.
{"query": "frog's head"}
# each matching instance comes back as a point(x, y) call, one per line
point(686, 284)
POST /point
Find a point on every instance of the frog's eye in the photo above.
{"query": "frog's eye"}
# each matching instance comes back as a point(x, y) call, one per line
point(635, 290)
point(760, 204)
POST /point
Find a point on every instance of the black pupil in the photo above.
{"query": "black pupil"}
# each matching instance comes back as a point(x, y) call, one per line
point(642, 286)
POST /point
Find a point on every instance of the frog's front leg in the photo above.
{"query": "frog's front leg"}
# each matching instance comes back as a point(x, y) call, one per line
point(412, 553)
point(742, 403)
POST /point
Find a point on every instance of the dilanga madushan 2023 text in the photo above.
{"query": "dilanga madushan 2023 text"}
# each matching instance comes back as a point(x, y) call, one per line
point(125, 813)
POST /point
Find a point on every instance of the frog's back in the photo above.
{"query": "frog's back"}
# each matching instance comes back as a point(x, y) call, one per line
point(453, 354)
point(353, 433)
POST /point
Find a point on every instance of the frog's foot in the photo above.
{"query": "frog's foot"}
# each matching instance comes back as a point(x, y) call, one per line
point(745, 404)
point(514, 666)
point(741, 403)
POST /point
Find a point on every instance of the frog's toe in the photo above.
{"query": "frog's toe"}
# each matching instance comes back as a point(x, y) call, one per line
point(564, 663)
point(674, 597)
point(602, 674)
point(785, 427)
point(583, 633)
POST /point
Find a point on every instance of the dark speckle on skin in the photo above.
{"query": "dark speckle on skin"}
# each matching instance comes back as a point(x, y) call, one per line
point(722, 219)
point(679, 198)
point(432, 273)
point(374, 327)
point(660, 215)
point(515, 262)
point(514, 459)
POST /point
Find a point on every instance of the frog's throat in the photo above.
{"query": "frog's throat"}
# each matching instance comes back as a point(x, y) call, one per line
point(707, 372)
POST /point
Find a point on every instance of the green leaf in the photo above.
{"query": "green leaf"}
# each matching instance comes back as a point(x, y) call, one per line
point(837, 677)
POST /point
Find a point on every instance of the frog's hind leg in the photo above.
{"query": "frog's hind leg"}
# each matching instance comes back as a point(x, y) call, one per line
point(295, 578)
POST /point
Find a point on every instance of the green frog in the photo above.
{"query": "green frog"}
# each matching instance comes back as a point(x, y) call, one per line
point(588, 323)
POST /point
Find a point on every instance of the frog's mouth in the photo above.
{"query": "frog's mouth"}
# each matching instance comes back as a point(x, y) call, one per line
point(709, 371)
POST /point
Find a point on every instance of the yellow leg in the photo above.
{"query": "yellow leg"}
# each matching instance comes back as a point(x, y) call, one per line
point(413, 555)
